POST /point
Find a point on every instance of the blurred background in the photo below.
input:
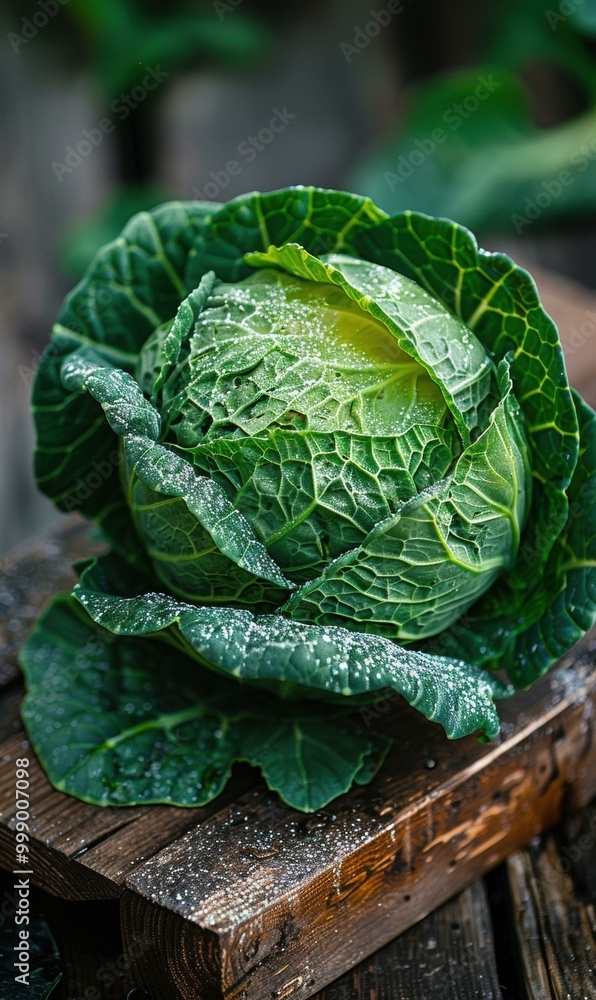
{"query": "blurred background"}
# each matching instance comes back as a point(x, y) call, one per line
point(485, 113)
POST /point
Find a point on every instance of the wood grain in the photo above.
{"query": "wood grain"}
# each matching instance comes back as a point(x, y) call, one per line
point(80, 851)
point(555, 930)
point(281, 893)
point(448, 956)
point(247, 899)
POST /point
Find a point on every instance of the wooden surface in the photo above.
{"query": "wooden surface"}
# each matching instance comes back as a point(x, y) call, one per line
point(248, 899)
point(555, 928)
point(448, 956)
point(498, 940)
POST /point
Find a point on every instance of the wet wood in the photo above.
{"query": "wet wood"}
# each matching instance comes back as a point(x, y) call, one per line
point(555, 930)
point(270, 892)
point(249, 899)
point(79, 851)
point(448, 956)
point(577, 848)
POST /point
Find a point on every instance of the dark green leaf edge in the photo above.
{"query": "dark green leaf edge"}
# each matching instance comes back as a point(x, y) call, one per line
point(563, 608)
point(500, 302)
point(152, 730)
point(275, 650)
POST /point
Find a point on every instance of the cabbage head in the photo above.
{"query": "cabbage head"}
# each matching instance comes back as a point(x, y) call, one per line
point(336, 458)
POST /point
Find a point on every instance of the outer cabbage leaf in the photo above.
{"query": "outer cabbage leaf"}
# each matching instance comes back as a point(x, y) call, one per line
point(322, 221)
point(562, 607)
point(297, 659)
point(145, 734)
point(134, 285)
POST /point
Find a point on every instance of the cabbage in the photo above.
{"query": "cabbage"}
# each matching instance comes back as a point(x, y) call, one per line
point(336, 457)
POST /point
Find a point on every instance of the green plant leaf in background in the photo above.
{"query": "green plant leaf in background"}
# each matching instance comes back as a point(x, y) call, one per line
point(529, 32)
point(583, 17)
point(125, 36)
point(469, 148)
point(483, 162)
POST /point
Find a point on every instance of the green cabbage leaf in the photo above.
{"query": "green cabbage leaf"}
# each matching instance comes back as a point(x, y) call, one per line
point(336, 457)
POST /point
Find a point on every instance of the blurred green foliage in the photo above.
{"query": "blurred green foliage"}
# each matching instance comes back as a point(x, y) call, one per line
point(123, 36)
point(471, 149)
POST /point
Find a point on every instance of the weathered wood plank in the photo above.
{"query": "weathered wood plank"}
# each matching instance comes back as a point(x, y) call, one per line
point(245, 898)
point(59, 825)
point(555, 931)
point(577, 849)
point(118, 855)
point(281, 903)
point(88, 972)
point(105, 844)
point(448, 956)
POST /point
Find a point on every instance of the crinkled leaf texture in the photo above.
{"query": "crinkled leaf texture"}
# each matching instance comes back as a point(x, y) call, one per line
point(150, 727)
point(293, 658)
point(476, 516)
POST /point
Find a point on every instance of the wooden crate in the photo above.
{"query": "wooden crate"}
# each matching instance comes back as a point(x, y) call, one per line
point(249, 899)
